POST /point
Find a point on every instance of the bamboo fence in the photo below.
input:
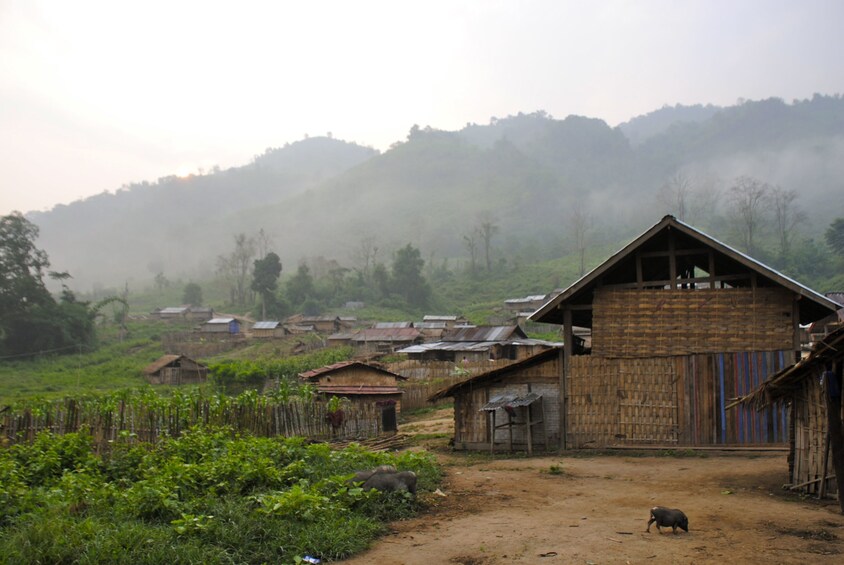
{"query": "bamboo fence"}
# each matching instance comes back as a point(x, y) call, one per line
point(107, 422)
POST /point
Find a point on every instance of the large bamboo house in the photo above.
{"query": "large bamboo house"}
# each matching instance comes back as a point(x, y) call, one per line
point(681, 324)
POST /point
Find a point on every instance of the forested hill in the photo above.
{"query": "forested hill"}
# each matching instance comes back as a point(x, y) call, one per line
point(529, 174)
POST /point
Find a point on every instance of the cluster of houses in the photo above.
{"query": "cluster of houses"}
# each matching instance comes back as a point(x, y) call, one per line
point(676, 340)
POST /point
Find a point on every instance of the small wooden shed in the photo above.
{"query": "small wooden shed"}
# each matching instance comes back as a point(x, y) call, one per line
point(362, 384)
point(267, 329)
point(812, 388)
point(175, 370)
point(516, 406)
point(681, 324)
point(229, 326)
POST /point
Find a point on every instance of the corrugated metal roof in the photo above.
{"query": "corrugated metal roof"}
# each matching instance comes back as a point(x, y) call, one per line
point(431, 325)
point(173, 310)
point(220, 321)
point(485, 333)
point(386, 334)
point(510, 400)
point(391, 325)
point(353, 390)
point(435, 318)
point(268, 325)
point(311, 375)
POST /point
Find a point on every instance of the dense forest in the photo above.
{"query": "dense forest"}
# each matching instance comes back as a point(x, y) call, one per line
point(489, 200)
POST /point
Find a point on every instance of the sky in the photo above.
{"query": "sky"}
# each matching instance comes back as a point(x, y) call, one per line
point(97, 94)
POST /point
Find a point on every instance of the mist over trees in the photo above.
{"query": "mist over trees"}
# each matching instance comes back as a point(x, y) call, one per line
point(546, 187)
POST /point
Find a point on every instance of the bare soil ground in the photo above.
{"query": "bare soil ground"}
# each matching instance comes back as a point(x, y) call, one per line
point(593, 508)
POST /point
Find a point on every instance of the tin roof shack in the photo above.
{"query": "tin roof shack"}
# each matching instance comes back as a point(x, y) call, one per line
point(384, 340)
point(817, 330)
point(481, 343)
point(522, 397)
point(200, 313)
point(267, 329)
point(812, 387)
point(175, 370)
point(681, 323)
point(362, 384)
point(450, 322)
point(230, 326)
point(171, 313)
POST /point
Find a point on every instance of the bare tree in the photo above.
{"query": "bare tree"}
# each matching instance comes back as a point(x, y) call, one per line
point(486, 230)
point(234, 268)
point(787, 216)
point(366, 255)
point(263, 243)
point(675, 194)
point(750, 199)
point(471, 241)
point(579, 224)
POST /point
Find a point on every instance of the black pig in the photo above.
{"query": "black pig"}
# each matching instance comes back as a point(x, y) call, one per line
point(668, 517)
point(386, 482)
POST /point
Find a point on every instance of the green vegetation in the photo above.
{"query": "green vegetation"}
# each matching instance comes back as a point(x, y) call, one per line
point(210, 496)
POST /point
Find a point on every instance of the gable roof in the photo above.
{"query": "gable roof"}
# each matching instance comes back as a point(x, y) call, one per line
point(266, 325)
point(485, 333)
point(477, 380)
point(166, 360)
point(386, 334)
point(314, 374)
point(692, 248)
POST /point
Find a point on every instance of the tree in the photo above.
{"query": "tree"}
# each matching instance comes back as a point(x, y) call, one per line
point(161, 281)
point(675, 194)
point(486, 230)
point(192, 294)
point(234, 268)
point(835, 236)
point(31, 321)
point(750, 199)
point(471, 242)
point(579, 224)
point(407, 280)
point(265, 273)
point(300, 287)
point(787, 216)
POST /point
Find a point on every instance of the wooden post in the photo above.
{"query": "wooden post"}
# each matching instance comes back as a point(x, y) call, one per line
point(492, 434)
point(565, 371)
point(528, 424)
point(832, 388)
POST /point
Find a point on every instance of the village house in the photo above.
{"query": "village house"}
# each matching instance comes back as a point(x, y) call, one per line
point(175, 370)
point(681, 324)
point(450, 322)
point(364, 385)
point(384, 339)
point(516, 406)
point(221, 326)
point(267, 329)
point(811, 389)
point(299, 323)
point(478, 343)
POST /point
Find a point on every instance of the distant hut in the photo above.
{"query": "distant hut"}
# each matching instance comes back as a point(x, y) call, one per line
point(363, 384)
point(681, 324)
point(267, 329)
point(384, 339)
point(172, 313)
point(175, 370)
point(229, 326)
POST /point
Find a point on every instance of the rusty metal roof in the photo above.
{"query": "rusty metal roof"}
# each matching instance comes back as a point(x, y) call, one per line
point(510, 400)
point(327, 369)
point(387, 334)
point(485, 333)
point(357, 389)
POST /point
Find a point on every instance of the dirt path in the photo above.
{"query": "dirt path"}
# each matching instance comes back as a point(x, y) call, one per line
point(594, 509)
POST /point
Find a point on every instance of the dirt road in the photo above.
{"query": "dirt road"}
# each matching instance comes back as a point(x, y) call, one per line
point(594, 509)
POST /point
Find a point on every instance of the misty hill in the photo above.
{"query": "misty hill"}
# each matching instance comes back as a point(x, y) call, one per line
point(528, 173)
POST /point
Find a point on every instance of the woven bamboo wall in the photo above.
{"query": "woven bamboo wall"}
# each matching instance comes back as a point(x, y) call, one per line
point(649, 323)
point(810, 425)
point(679, 400)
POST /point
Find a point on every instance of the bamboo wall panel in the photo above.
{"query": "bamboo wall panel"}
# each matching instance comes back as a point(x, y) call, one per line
point(653, 323)
point(679, 400)
point(810, 429)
